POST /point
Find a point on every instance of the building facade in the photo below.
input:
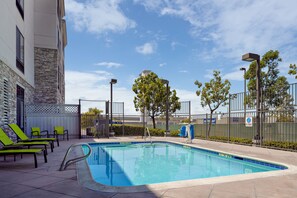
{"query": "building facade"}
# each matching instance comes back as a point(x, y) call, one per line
point(32, 41)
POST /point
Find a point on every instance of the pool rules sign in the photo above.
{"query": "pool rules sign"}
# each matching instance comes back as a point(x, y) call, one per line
point(249, 121)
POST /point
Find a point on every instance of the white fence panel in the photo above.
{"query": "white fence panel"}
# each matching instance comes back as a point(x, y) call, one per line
point(47, 116)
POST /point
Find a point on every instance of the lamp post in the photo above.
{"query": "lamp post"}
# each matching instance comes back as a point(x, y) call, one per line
point(167, 105)
point(244, 94)
point(112, 81)
point(255, 57)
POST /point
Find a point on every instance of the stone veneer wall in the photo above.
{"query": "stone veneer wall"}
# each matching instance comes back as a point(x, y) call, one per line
point(61, 91)
point(46, 76)
point(13, 80)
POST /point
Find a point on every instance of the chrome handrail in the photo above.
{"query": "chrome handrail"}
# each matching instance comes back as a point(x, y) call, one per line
point(148, 131)
point(71, 161)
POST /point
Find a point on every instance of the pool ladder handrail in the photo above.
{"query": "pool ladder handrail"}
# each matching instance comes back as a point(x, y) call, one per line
point(148, 131)
point(74, 160)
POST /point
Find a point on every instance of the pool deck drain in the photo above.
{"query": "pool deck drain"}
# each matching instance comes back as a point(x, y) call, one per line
point(21, 179)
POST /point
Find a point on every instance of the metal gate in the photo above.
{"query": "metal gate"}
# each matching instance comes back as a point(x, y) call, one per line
point(118, 109)
point(94, 118)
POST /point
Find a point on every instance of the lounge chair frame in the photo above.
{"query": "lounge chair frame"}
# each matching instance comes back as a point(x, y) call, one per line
point(24, 152)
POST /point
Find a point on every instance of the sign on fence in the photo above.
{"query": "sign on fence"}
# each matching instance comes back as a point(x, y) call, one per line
point(213, 120)
point(249, 121)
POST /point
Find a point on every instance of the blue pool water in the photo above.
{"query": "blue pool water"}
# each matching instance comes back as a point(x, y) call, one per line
point(132, 164)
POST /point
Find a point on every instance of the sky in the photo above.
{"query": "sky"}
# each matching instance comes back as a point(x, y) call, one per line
point(181, 41)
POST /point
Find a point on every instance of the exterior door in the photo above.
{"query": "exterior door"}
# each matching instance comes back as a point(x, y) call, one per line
point(20, 107)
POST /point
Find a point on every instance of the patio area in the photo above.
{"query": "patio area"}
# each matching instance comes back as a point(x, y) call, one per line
point(21, 179)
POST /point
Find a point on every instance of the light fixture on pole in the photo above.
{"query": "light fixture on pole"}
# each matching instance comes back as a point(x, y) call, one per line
point(167, 106)
point(244, 99)
point(255, 57)
point(112, 81)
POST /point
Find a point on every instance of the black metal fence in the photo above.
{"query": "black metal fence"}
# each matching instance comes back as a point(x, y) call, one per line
point(278, 126)
point(237, 99)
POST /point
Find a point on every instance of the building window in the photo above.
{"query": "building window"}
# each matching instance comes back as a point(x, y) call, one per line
point(5, 119)
point(20, 6)
point(19, 50)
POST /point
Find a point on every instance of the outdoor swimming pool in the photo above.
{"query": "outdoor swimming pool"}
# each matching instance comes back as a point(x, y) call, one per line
point(136, 163)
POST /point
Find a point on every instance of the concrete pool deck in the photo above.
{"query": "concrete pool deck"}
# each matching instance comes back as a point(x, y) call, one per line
point(21, 179)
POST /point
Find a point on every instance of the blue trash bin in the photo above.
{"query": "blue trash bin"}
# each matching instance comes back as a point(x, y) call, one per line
point(182, 131)
point(192, 131)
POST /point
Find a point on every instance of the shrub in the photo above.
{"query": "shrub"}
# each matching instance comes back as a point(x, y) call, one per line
point(283, 145)
point(174, 133)
point(186, 120)
point(130, 130)
point(225, 139)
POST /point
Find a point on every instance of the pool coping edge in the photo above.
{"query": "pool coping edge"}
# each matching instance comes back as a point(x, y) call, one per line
point(85, 178)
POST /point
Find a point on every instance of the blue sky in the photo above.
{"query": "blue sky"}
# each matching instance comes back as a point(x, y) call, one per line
point(182, 41)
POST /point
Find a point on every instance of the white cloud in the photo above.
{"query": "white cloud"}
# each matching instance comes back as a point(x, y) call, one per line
point(84, 85)
point(186, 95)
point(236, 27)
point(246, 26)
point(131, 79)
point(183, 71)
point(77, 78)
point(108, 42)
point(95, 86)
point(162, 64)
point(194, 12)
point(234, 75)
point(109, 64)
point(174, 44)
point(147, 48)
point(150, 4)
point(97, 16)
point(208, 74)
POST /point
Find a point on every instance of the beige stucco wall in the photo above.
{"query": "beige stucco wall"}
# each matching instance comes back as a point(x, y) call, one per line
point(10, 18)
point(45, 12)
point(48, 41)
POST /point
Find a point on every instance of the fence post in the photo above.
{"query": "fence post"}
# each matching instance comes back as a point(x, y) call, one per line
point(229, 118)
point(123, 127)
point(206, 134)
point(190, 111)
point(143, 122)
point(79, 118)
point(107, 118)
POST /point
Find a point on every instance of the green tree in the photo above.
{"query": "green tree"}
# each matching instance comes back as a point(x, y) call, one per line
point(88, 118)
point(274, 91)
point(293, 70)
point(93, 111)
point(214, 94)
point(151, 93)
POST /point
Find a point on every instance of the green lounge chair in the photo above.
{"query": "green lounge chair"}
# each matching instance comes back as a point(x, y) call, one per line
point(8, 143)
point(24, 138)
point(35, 131)
point(59, 130)
point(24, 151)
